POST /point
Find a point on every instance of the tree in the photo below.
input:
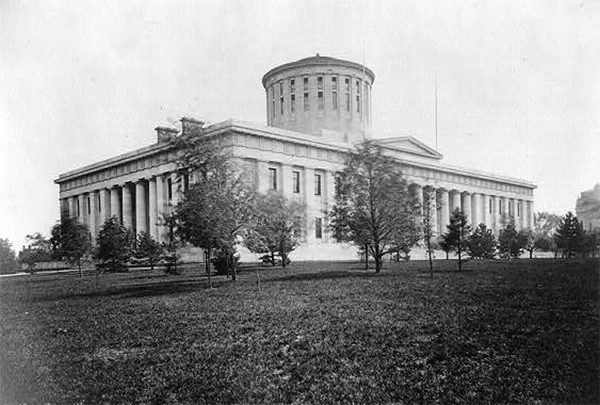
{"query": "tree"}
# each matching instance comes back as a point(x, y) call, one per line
point(213, 212)
point(457, 235)
point(568, 235)
point(543, 231)
point(510, 242)
point(148, 249)
point(445, 246)
point(115, 245)
point(8, 261)
point(372, 203)
point(590, 241)
point(277, 227)
point(71, 242)
point(37, 250)
point(428, 232)
point(481, 243)
point(528, 238)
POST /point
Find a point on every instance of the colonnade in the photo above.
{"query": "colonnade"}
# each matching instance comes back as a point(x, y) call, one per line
point(495, 211)
point(140, 206)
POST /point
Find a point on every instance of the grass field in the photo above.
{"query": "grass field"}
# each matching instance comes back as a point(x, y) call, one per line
point(525, 331)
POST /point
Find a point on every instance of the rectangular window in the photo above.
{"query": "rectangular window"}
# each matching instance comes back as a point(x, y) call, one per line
point(170, 188)
point(99, 204)
point(358, 104)
point(78, 210)
point(491, 207)
point(318, 228)
point(320, 82)
point(293, 103)
point(317, 184)
point(272, 178)
point(292, 85)
point(306, 105)
point(89, 209)
point(334, 83)
point(348, 102)
point(518, 209)
point(281, 88)
point(320, 100)
point(347, 83)
point(296, 181)
point(305, 80)
point(186, 182)
point(334, 100)
point(281, 105)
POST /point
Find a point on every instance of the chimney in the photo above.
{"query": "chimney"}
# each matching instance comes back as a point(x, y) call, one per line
point(165, 134)
point(191, 125)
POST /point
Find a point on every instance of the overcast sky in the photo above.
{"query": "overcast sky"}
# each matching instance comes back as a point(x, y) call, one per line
point(82, 81)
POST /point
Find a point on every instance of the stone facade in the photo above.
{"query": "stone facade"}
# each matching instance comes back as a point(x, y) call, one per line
point(587, 208)
point(297, 156)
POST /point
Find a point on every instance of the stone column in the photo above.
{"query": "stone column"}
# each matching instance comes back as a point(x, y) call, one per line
point(93, 210)
point(152, 220)
point(140, 207)
point(530, 215)
point(466, 207)
point(174, 189)
point(496, 215)
point(476, 208)
point(160, 209)
point(444, 210)
point(307, 187)
point(127, 207)
point(454, 201)
point(505, 214)
point(484, 210)
point(104, 206)
point(430, 200)
point(72, 211)
point(115, 203)
point(286, 180)
point(262, 175)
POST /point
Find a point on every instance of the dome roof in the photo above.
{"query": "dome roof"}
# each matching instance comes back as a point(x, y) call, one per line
point(318, 60)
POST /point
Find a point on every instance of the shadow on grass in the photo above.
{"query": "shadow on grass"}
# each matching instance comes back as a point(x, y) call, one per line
point(326, 275)
point(138, 290)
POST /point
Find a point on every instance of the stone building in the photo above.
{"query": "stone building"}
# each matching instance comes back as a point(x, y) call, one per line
point(317, 109)
point(587, 208)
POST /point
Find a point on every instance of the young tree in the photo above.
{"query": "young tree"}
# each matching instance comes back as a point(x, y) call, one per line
point(481, 243)
point(429, 214)
point(590, 242)
point(510, 242)
point(277, 228)
point(543, 231)
point(71, 241)
point(568, 234)
point(8, 261)
point(115, 245)
point(38, 250)
point(148, 249)
point(372, 202)
point(528, 238)
point(457, 235)
point(445, 246)
point(214, 212)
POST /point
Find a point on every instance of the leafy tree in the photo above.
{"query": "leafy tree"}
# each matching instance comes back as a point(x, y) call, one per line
point(428, 232)
point(510, 242)
point(37, 250)
point(481, 243)
point(372, 203)
point(277, 228)
point(71, 242)
point(528, 238)
point(148, 249)
point(568, 235)
point(214, 212)
point(115, 245)
point(457, 235)
point(8, 261)
point(543, 231)
point(590, 242)
point(445, 246)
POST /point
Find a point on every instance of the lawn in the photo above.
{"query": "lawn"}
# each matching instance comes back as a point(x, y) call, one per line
point(525, 331)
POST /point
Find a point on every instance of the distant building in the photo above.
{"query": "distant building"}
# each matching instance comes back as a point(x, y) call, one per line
point(587, 208)
point(317, 109)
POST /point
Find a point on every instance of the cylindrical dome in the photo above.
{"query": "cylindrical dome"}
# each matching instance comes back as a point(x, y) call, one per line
point(321, 96)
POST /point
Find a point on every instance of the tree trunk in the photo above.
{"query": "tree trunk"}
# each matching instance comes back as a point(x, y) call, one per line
point(377, 257)
point(207, 266)
point(283, 259)
point(430, 262)
point(447, 255)
point(273, 258)
point(366, 257)
point(459, 261)
point(233, 272)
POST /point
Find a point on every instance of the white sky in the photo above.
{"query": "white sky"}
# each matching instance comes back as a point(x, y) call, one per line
point(82, 81)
